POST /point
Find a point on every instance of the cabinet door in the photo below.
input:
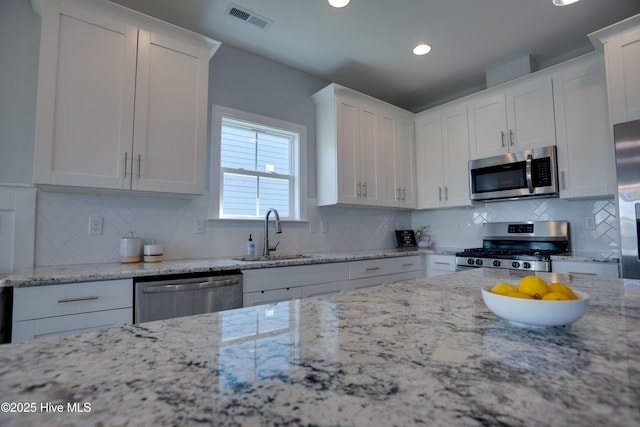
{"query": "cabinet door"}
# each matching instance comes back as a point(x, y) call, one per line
point(585, 148)
point(487, 126)
point(324, 289)
point(623, 75)
point(437, 265)
point(530, 117)
point(26, 330)
point(270, 297)
point(388, 184)
point(169, 145)
point(405, 158)
point(429, 160)
point(349, 183)
point(368, 153)
point(455, 142)
point(86, 86)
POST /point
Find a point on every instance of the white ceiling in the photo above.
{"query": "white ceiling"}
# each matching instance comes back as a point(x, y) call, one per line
point(367, 45)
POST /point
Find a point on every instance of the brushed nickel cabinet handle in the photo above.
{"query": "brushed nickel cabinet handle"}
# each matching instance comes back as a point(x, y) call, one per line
point(502, 138)
point(78, 299)
point(446, 192)
point(364, 190)
point(564, 182)
point(440, 193)
point(359, 189)
point(373, 268)
point(511, 137)
point(125, 164)
point(139, 163)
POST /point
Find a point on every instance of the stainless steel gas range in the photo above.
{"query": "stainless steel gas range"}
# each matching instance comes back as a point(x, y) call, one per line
point(517, 246)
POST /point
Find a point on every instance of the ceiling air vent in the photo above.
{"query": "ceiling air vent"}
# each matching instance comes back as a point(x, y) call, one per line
point(248, 16)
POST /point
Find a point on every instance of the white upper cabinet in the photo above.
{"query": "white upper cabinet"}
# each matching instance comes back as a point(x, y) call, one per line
point(512, 118)
point(585, 144)
point(442, 156)
point(122, 100)
point(621, 44)
point(397, 172)
point(360, 141)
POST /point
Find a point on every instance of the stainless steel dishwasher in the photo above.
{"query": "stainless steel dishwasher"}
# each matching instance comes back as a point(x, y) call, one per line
point(177, 295)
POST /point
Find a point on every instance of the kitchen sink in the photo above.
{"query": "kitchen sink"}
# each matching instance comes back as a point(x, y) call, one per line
point(277, 257)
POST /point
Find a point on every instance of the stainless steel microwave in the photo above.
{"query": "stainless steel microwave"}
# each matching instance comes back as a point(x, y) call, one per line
point(529, 173)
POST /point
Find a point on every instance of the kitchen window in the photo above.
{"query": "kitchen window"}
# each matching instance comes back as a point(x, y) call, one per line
point(256, 165)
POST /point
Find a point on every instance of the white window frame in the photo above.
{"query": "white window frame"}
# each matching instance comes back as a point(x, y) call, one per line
point(298, 196)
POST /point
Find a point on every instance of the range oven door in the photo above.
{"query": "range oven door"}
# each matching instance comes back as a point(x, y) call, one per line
point(514, 175)
point(166, 297)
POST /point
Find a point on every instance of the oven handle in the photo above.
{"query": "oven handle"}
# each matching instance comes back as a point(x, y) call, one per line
point(183, 287)
point(529, 174)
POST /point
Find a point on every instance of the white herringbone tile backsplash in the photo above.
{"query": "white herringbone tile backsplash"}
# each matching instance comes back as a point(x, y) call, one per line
point(462, 228)
point(62, 224)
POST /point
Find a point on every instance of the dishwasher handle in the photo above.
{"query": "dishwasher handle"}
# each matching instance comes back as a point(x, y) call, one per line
point(184, 287)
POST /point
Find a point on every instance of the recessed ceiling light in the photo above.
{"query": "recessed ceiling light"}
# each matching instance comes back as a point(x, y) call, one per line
point(339, 3)
point(563, 2)
point(422, 49)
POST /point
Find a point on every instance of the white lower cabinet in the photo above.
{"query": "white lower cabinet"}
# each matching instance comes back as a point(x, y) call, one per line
point(437, 265)
point(604, 269)
point(269, 285)
point(268, 297)
point(375, 272)
point(43, 311)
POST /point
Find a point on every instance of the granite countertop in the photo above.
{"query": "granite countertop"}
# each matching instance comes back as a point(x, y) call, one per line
point(422, 352)
point(585, 257)
point(50, 275)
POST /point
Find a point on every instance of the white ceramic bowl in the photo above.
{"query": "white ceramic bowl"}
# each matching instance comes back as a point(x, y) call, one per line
point(536, 312)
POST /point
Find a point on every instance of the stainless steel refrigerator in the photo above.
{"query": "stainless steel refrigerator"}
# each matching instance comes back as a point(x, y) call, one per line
point(627, 143)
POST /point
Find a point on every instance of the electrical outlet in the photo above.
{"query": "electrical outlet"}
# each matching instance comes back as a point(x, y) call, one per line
point(199, 226)
point(324, 226)
point(589, 223)
point(313, 227)
point(95, 225)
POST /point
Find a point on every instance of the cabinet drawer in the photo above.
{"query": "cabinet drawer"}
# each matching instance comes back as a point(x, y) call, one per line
point(265, 279)
point(72, 324)
point(441, 262)
point(383, 266)
point(72, 298)
point(604, 269)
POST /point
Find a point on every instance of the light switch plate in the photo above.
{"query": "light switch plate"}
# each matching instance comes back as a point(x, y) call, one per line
point(590, 223)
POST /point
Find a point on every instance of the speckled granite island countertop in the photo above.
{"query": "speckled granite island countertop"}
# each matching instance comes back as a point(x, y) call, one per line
point(423, 352)
point(51, 275)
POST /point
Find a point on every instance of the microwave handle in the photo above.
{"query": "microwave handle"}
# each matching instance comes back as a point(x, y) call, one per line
point(529, 173)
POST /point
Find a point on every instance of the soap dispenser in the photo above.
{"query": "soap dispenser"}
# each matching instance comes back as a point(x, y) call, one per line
point(251, 247)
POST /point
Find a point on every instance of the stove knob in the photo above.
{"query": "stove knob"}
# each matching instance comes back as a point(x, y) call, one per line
point(496, 263)
point(478, 262)
point(526, 265)
point(515, 264)
point(470, 261)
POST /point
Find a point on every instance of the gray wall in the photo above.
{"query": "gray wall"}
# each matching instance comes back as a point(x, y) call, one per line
point(245, 81)
point(19, 50)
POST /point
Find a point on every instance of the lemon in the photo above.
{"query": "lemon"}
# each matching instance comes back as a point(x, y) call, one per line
point(555, 296)
point(563, 289)
point(534, 286)
point(517, 294)
point(503, 288)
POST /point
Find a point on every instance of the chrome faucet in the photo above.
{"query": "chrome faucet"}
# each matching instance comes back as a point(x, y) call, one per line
point(267, 249)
